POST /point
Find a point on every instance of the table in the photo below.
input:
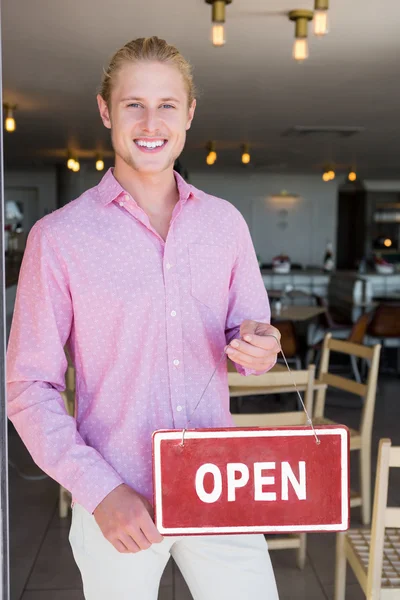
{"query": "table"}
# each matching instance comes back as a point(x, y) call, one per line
point(297, 313)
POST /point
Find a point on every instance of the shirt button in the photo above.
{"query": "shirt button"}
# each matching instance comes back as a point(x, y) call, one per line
point(126, 198)
point(179, 408)
point(173, 313)
point(176, 362)
point(168, 266)
point(121, 203)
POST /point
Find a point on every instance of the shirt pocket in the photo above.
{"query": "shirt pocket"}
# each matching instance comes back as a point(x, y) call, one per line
point(210, 274)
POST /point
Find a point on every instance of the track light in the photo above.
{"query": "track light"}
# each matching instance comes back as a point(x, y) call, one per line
point(212, 155)
point(301, 18)
point(245, 154)
point(218, 21)
point(9, 123)
point(321, 17)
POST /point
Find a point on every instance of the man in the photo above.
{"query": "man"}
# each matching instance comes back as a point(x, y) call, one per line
point(145, 280)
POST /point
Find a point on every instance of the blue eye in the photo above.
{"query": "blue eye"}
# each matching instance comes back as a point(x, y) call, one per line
point(134, 104)
point(168, 106)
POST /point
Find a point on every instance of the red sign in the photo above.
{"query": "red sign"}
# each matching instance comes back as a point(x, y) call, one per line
point(236, 480)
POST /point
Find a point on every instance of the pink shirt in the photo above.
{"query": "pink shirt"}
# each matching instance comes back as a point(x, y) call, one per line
point(145, 322)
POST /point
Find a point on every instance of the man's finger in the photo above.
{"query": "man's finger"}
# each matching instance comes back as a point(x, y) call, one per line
point(268, 342)
point(241, 346)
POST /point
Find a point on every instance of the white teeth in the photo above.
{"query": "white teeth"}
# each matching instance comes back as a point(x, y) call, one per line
point(150, 144)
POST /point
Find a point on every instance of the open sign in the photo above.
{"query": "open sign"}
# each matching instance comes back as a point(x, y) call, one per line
point(242, 480)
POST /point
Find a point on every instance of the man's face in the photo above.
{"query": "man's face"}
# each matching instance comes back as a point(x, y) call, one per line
point(149, 115)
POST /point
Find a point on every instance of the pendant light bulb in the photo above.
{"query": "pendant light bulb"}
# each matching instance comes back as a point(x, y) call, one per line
point(300, 49)
point(212, 154)
point(99, 164)
point(352, 176)
point(76, 166)
point(9, 123)
point(320, 21)
point(301, 18)
point(246, 154)
point(70, 163)
point(218, 21)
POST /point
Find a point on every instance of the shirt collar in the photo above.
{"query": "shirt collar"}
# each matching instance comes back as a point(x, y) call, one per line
point(109, 189)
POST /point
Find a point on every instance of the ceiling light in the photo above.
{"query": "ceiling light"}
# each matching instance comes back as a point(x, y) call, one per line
point(99, 163)
point(218, 21)
point(328, 174)
point(212, 155)
point(301, 18)
point(331, 174)
point(76, 166)
point(70, 161)
point(321, 17)
point(352, 176)
point(388, 242)
point(9, 123)
point(245, 154)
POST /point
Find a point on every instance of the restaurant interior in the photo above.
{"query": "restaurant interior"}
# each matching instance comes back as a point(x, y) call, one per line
point(297, 126)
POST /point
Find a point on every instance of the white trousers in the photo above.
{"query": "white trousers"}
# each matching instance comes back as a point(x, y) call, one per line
point(231, 567)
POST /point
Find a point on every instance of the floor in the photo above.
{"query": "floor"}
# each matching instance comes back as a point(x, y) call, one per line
point(42, 567)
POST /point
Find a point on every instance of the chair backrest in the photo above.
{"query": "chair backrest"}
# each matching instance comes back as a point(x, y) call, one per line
point(276, 381)
point(359, 329)
point(289, 343)
point(383, 516)
point(385, 321)
point(367, 391)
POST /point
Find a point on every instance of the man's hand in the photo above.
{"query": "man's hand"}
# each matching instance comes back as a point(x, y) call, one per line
point(125, 519)
point(255, 349)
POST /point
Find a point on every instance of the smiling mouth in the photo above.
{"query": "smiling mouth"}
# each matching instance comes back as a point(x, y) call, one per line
point(150, 146)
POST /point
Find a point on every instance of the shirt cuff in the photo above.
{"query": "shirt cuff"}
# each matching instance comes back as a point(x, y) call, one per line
point(94, 485)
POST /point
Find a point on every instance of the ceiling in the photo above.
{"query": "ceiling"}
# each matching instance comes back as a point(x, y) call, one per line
point(251, 89)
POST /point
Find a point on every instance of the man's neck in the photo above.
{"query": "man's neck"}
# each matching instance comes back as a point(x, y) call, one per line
point(156, 193)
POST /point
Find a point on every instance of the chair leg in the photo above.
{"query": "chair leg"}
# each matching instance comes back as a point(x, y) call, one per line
point(340, 568)
point(365, 476)
point(302, 551)
point(356, 371)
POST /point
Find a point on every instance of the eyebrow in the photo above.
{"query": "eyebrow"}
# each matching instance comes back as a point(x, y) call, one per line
point(134, 98)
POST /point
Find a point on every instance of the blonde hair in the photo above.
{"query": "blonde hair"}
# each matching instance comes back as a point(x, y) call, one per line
point(150, 49)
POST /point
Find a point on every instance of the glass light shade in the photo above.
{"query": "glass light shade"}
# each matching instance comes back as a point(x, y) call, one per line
point(300, 49)
point(99, 164)
point(70, 163)
point(218, 34)
point(326, 176)
point(212, 155)
point(387, 243)
point(331, 174)
point(10, 124)
point(76, 166)
point(245, 158)
point(210, 160)
point(352, 176)
point(321, 22)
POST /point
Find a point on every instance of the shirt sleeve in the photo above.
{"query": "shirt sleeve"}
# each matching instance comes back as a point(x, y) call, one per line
point(36, 366)
point(248, 298)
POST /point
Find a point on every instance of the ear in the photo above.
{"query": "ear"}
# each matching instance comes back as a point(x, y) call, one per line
point(104, 112)
point(191, 114)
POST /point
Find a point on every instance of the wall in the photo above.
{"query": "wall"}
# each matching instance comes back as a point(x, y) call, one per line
point(300, 228)
point(44, 180)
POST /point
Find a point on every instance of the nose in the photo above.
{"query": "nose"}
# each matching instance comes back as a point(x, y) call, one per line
point(150, 120)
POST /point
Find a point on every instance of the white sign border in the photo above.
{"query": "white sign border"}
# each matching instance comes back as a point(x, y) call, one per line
point(160, 436)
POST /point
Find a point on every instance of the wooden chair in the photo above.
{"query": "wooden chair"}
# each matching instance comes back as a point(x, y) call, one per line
point(69, 400)
point(277, 381)
point(359, 439)
point(385, 327)
point(374, 554)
